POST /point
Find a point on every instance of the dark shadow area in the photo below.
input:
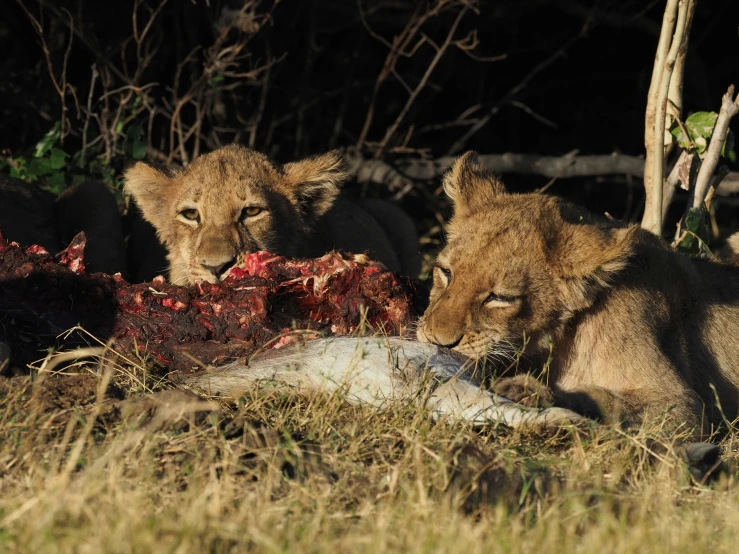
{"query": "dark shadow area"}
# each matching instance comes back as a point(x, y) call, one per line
point(37, 311)
point(299, 77)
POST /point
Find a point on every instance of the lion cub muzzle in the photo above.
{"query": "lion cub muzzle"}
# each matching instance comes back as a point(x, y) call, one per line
point(216, 254)
point(437, 331)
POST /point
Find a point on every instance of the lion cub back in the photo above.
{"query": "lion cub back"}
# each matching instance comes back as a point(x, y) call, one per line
point(374, 226)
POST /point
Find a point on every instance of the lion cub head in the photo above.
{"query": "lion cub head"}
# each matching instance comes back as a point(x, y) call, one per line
point(232, 201)
point(517, 267)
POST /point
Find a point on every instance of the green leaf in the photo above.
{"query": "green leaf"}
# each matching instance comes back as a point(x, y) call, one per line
point(699, 127)
point(56, 183)
point(49, 140)
point(700, 144)
point(682, 140)
point(134, 145)
point(213, 81)
point(694, 241)
point(701, 124)
point(57, 158)
point(138, 151)
point(77, 179)
point(694, 220)
point(18, 168)
point(39, 167)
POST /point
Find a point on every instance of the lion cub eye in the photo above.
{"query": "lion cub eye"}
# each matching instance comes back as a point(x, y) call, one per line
point(499, 301)
point(251, 211)
point(191, 214)
point(445, 275)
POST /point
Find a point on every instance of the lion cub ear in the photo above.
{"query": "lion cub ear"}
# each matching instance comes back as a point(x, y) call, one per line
point(152, 190)
point(588, 257)
point(470, 185)
point(315, 183)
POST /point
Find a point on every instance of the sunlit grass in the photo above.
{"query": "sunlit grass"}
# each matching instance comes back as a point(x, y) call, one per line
point(90, 461)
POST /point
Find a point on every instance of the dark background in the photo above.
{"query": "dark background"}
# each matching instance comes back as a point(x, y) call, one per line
point(324, 58)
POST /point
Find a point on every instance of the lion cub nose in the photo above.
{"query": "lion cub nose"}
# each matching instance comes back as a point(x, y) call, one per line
point(448, 342)
point(216, 268)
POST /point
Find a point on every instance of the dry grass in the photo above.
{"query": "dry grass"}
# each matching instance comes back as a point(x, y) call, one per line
point(92, 462)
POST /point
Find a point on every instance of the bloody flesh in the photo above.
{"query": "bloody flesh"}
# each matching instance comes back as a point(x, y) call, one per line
point(262, 300)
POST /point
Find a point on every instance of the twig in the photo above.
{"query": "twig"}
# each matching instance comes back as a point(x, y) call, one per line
point(661, 115)
point(674, 179)
point(458, 145)
point(704, 184)
point(670, 42)
point(344, 104)
point(139, 38)
point(64, 84)
point(61, 87)
point(262, 100)
point(729, 107)
point(540, 118)
point(654, 144)
point(83, 40)
point(429, 70)
point(396, 48)
point(613, 19)
point(88, 113)
point(675, 94)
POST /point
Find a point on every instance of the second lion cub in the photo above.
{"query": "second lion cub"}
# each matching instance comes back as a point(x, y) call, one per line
point(625, 326)
point(235, 200)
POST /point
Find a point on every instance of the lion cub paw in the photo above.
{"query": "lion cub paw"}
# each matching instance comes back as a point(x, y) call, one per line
point(525, 389)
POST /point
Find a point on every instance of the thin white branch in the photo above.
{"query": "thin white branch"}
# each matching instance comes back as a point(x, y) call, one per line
point(729, 107)
point(658, 169)
point(675, 19)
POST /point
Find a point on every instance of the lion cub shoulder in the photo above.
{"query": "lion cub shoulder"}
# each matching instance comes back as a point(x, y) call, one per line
point(235, 200)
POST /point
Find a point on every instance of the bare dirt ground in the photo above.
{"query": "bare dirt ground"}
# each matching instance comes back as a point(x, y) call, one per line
point(95, 460)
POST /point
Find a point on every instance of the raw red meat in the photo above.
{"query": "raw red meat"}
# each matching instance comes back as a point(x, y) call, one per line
point(263, 298)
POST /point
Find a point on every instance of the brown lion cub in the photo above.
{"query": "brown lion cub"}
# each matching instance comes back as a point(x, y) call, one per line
point(624, 326)
point(234, 200)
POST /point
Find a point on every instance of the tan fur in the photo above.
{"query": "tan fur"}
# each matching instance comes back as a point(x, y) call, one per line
point(629, 327)
point(299, 213)
point(729, 252)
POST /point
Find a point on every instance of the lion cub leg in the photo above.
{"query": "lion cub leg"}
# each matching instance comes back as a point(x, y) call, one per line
point(676, 412)
point(628, 409)
point(593, 402)
point(525, 389)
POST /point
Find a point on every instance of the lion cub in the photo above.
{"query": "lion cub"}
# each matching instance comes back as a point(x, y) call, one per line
point(624, 326)
point(235, 200)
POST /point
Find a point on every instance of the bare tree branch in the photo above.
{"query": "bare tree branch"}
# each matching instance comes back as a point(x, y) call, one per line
point(729, 107)
point(404, 172)
point(674, 27)
point(459, 145)
point(429, 70)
